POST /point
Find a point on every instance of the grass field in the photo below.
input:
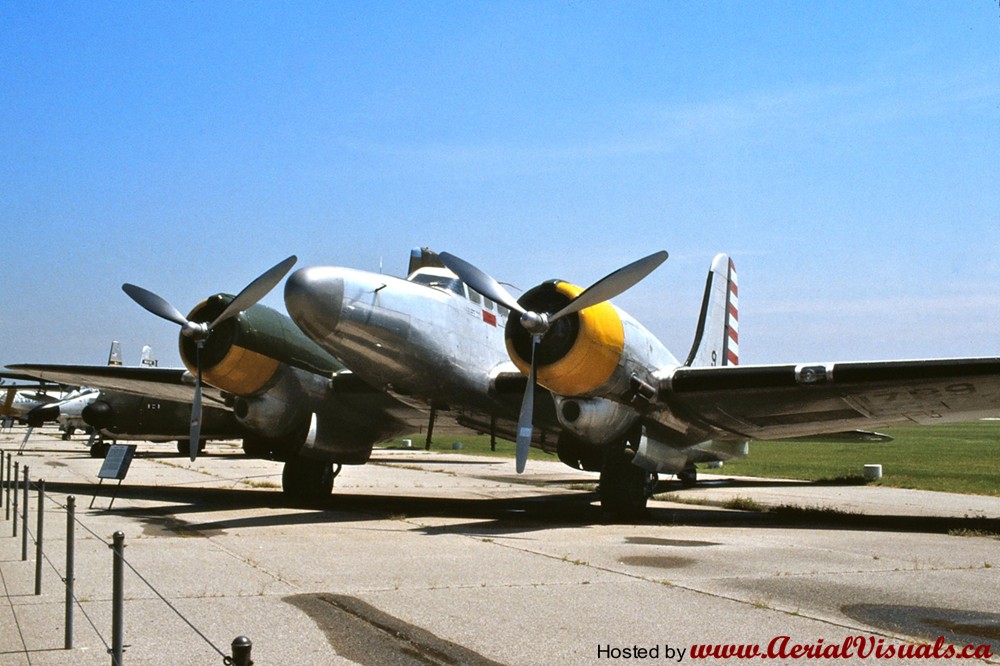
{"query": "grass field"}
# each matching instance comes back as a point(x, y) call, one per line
point(960, 458)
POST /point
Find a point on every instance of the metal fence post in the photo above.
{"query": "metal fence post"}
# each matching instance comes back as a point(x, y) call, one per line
point(118, 600)
point(38, 536)
point(24, 516)
point(3, 454)
point(7, 509)
point(241, 652)
point(70, 539)
point(14, 478)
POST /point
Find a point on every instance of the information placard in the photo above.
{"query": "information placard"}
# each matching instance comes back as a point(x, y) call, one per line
point(117, 461)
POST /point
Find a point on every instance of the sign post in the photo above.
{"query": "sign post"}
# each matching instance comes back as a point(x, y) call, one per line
point(115, 466)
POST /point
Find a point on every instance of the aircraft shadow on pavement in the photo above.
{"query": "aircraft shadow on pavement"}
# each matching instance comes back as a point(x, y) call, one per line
point(485, 515)
point(744, 482)
point(444, 461)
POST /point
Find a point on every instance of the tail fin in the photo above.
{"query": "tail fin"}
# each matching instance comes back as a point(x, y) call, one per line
point(147, 359)
point(6, 410)
point(115, 355)
point(717, 340)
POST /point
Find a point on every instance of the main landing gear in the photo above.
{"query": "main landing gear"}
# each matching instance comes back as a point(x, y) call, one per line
point(184, 446)
point(625, 488)
point(99, 448)
point(688, 476)
point(308, 480)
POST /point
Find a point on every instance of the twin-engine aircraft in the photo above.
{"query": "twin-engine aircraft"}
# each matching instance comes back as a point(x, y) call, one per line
point(452, 340)
point(370, 357)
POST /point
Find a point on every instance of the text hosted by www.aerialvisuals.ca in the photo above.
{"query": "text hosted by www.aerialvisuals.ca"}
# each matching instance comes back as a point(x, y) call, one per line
point(783, 647)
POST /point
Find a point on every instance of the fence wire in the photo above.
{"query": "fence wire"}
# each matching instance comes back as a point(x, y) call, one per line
point(47, 496)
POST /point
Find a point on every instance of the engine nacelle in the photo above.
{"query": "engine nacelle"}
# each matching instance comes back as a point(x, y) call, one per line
point(245, 354)
point(98, 414)
point(595, 420)
point(325, 440)
point(279, 410)
point(591, 353)
point(669, 455)
point(263, 415)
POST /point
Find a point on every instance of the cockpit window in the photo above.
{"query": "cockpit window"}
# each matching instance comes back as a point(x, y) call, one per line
point(453, 285)
point(474, 296)
point(488, 304)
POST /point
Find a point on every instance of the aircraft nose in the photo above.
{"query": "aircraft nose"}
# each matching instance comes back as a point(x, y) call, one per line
point(40, 415)
point(98, 414)
point(314, 297)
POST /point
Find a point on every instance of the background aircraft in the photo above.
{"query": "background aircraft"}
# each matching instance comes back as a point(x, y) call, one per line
point(124, 421)
point(25, 395)
point(115, 415)
point(66, 411)
point(622, 404)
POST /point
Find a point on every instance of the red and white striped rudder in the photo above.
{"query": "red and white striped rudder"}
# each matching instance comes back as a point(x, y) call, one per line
point(717, 340)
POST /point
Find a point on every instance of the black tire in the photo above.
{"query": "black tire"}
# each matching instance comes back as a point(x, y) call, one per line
point(688, 477)
point(99, 449)
point(307, 480)
point(257, 447)
point(184, 447)
point(624, 487)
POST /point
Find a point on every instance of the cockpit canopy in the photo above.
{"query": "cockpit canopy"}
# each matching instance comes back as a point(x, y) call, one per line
point(445, 280)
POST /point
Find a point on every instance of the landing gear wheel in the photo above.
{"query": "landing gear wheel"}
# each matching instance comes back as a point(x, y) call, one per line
point(688, 476)
point(257, 447)
point(184, 446)
point(624, 487)
point(99, 449)
point(308, 480)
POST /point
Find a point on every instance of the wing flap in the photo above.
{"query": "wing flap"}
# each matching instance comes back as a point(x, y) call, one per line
point(801, 400)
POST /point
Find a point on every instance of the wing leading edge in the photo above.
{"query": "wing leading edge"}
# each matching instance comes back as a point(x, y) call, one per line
point(782, 401)
point(163, 383)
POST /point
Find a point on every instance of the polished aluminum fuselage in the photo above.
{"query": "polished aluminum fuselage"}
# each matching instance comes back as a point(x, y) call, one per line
point(431, 343)
point(423, 340)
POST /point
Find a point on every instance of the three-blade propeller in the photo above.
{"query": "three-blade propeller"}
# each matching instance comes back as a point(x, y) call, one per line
point(199, 331)
point(538, 323)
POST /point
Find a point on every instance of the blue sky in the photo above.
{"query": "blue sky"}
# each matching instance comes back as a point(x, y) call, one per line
point(846, 154)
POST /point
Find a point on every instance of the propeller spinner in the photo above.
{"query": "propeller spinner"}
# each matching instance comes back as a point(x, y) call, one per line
point(199, 331)
point(539, 323)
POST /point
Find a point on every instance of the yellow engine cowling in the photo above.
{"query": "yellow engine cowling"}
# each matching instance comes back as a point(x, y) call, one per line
point(580, 353)
point(227, 363)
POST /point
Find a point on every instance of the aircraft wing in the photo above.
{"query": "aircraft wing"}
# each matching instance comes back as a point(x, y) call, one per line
point(164, 383)
point(16, 376)
point(782, 401)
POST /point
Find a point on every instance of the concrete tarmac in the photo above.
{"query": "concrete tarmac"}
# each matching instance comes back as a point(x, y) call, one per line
point(442, 558)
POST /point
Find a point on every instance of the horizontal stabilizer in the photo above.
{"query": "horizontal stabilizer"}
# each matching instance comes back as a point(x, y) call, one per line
point(846, 436)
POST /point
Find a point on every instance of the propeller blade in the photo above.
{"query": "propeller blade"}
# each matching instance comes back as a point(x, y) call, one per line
point(480, 281)
point(195, 434)
point(154, 304)
point(252, 293)
point(256, 290)
point(525, 425)
point(612, 284)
